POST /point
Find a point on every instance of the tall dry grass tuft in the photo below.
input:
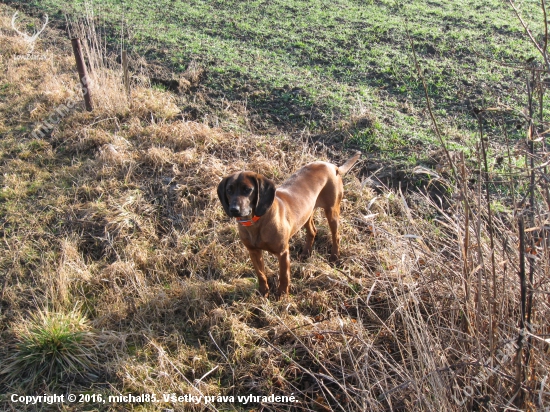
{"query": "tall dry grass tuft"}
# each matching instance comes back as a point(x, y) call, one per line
point(106, 85)
point(109, 93)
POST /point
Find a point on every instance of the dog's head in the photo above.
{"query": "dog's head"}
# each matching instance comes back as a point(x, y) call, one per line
point(246, 193)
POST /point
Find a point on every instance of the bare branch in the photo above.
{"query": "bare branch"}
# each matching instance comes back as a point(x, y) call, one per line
point(541, 50)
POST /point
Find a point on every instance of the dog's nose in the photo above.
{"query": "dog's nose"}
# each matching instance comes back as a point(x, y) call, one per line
point(234, 210)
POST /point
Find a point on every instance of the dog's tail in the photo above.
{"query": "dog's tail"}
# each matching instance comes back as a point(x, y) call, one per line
point(342, 170)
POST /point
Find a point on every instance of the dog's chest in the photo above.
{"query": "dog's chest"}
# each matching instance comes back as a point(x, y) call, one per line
point(252, 238)
point(260, 239)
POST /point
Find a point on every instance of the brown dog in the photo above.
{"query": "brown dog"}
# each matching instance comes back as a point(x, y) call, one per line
point(268, 217)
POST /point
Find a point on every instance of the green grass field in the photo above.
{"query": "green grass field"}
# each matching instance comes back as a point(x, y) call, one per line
point(314, 65)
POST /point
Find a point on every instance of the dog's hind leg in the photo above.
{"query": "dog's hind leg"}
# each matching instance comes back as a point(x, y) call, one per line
point(311, 231)
point(333, 216)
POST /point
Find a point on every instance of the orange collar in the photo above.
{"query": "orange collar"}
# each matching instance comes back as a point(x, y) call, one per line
point(247, 222)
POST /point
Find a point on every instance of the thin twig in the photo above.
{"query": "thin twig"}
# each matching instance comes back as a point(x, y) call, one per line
point(429, 104)
point(528, 32)
point(545, 19)
point(493, 299)
point(523, 294)
point(465, 245)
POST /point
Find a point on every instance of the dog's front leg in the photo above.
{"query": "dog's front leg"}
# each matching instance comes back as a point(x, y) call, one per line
point(284, 273)
point(257, 258)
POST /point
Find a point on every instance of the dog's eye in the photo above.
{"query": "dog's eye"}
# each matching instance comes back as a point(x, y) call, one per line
point(230, 189)
point(248, 190)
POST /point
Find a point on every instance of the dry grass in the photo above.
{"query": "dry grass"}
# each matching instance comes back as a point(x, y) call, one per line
point(116, 213)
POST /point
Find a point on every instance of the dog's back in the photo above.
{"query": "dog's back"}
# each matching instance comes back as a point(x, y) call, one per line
point(317, 184)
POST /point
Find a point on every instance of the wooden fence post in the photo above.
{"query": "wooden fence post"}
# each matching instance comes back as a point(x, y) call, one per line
point(82, 73)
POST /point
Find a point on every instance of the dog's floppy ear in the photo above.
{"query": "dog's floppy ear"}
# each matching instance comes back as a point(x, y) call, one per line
point(222, 195)
point(265, 189)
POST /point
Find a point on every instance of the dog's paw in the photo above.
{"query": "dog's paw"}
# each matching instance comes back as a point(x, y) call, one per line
point(305, 255)
point(272, 281)
point(282, 292)
point(333, 258)
point(263, 293)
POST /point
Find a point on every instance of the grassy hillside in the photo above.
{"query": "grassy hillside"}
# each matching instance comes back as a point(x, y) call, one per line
point(120, 273)
point(314, 65)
